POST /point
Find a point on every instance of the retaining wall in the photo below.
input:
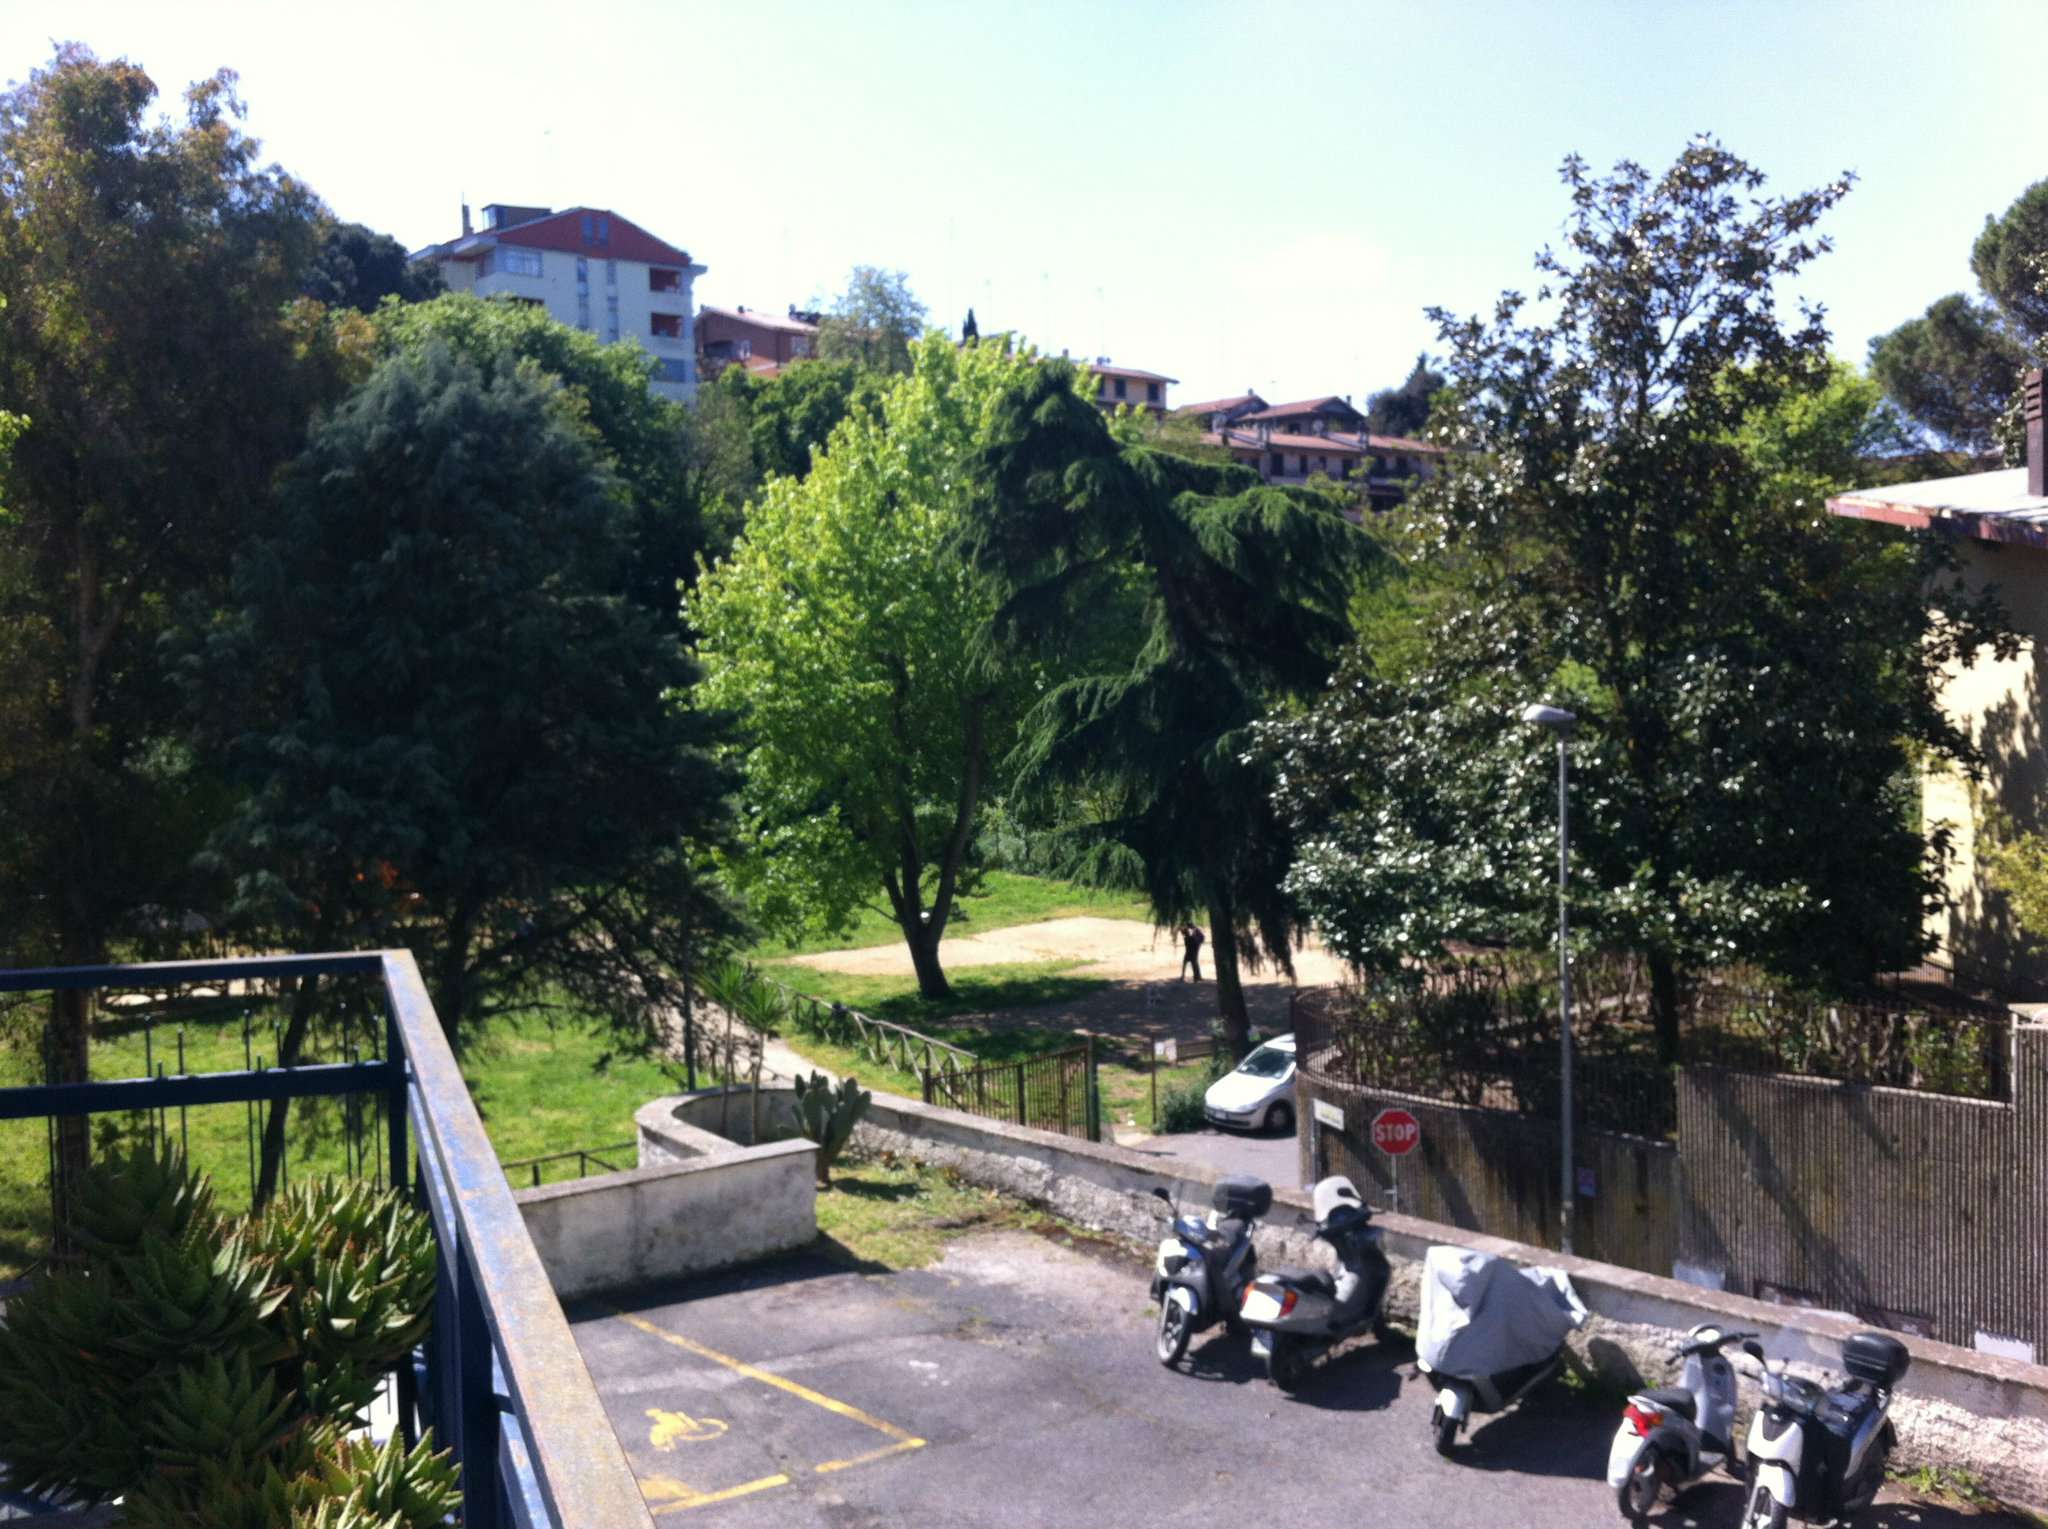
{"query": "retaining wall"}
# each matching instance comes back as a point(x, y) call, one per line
point(698, 1201)
point(1636, 1315)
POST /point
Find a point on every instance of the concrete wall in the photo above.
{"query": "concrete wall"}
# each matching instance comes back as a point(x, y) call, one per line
point(1497, 1172)
point(699, 1201)
point(605, 279)
point(1636, 1315)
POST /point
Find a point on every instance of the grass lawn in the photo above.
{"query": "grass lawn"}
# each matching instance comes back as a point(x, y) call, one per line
point(1005, 900)
point(542, 1087)
point(901, 1214)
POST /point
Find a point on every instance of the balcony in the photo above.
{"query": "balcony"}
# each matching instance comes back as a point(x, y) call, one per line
point(500, 1379)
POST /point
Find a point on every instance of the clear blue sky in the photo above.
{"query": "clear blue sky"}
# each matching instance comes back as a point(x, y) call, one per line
point(1261, 195)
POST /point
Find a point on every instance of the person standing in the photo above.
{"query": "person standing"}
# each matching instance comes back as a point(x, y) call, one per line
point(1191, 952)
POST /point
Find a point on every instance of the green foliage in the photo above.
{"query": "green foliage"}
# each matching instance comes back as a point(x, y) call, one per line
point(1178, 602)
point(455, 731)
point(1405, 410)
point(1952, 370)
point(1634, 531)
point(2010, 261)
point(357, 267)
point(850, 640)
point(827, 1115)
point(875, 322)
point(205, 1370)
point(2018, 867)
point(1180, 1107)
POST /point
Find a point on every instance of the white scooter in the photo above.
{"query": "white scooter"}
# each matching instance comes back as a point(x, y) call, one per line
point(1672, 1437)
point(1819, 1454)
point(1490, 1333)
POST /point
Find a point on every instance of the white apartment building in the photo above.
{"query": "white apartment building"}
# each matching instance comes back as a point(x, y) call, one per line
point(591, 269)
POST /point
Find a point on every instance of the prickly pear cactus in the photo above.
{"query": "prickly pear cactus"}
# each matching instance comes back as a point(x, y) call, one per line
point(827, 1116)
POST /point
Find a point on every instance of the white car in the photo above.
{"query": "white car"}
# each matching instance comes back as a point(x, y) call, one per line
point(1259, 1094)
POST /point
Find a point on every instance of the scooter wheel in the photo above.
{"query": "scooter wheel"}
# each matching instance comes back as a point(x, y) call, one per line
point(1172, 1340)
point(1444, 1428)
point(1639, 1490)
point(1285, 1364)
point(1764, 1510)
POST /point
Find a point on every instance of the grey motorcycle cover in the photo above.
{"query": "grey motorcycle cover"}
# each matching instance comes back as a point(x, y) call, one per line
point(1482, 1315)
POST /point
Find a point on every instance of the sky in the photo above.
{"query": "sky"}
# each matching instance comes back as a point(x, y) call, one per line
point(1257, 194)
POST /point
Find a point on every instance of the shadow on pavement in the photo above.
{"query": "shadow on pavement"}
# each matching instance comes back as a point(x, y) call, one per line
point(1539, 1438)
point(824, 1257)
point(1718, 1504)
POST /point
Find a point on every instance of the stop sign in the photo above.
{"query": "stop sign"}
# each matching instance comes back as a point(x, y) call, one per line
point(1396, 1132)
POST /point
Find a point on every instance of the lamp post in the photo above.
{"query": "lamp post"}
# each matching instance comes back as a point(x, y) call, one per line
point(1561, 723)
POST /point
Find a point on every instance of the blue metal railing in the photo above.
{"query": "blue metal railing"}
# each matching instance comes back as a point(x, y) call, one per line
point(500, 1379)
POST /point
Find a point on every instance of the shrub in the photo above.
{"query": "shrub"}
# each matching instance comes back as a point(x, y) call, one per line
point(1180, 1108)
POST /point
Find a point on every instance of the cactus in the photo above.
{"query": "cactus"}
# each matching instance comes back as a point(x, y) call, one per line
point(827, 1116)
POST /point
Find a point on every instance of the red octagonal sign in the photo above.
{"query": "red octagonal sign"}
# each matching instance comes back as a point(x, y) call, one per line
point(1396, 1132)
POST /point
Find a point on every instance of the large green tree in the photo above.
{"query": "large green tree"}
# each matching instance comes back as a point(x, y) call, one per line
point(1173, 603)
point(874, 321)
point(1633, 530)
point(852, 641)
point(2010, 262)
point(357, 267)
point(1953, 370)
point(455, 726)
point(149, 338)
point(1404, 410)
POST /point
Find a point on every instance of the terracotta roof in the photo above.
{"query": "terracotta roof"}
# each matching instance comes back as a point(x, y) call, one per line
point(1102, 369)
point(764, 320)
point(1330, 404)
point(564, 231)
point(1220, 405)
point(1991, 507)
point(1291, 443)
point(1405, 443)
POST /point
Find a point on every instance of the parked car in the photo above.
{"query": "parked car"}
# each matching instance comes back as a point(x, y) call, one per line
point(1258, 1093)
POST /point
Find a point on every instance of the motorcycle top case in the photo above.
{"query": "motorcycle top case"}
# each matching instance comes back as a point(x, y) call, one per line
point(1241, 1196)
point(1876, 1358)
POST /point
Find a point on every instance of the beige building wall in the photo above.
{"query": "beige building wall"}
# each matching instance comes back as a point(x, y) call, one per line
point(2000, 704)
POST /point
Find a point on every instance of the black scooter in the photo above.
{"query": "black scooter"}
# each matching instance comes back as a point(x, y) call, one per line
point(1203, 1266)
point(1298, 1315)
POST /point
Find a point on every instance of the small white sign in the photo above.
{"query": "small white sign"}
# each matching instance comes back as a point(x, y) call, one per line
point(1165, 1051)
point(1328, 1114)
point(2004, 1348)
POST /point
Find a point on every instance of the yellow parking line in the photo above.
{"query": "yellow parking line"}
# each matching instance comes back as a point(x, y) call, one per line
point(705, 1499)
point(873, 1454)
point(769, 1378)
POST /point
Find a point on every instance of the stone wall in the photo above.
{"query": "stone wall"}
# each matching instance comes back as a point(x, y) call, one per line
point(1940, 1413)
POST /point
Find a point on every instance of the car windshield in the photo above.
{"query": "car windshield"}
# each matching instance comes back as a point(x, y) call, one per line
point(1267, 1062)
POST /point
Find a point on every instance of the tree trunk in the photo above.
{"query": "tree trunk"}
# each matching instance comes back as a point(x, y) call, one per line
point(288, 1048)
point(1664, 1005)
point(69, 1060)
point(451, 995)
point(924, 960)
point(1237, 1023)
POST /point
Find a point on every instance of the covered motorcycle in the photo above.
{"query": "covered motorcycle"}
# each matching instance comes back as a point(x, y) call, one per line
point(1490, 1332)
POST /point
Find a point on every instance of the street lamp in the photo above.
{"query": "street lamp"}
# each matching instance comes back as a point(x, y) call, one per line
point(1561, 723)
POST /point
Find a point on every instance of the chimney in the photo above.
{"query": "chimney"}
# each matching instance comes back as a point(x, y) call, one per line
point(465, 220)
point(2037, 435)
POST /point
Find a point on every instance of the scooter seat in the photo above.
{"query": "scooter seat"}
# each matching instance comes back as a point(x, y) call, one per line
point(1309, 1281)
point(1673, 1399)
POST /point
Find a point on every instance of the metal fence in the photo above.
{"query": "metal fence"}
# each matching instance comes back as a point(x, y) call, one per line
point(1894, 1037)
point(500, 1378)
point(1053, 1092)
point(607, 1160)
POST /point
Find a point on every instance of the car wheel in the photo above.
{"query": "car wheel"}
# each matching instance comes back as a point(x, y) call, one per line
point(1280, 1118)
point(1639, 1490)
point(1172, 1340)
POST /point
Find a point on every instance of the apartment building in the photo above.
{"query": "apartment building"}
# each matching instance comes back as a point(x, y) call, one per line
point(590, 269)
point(764, 343)
point(1292, 442)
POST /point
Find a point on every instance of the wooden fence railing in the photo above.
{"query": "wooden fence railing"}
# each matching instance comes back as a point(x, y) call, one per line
point(881, 1041)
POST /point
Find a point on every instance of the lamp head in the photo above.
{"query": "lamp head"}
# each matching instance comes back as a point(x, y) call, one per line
point(1555, 718)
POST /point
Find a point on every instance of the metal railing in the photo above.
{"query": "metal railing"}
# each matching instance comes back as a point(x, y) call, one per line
point(607, 1159)
point(500, 1379)
point(881, 1041)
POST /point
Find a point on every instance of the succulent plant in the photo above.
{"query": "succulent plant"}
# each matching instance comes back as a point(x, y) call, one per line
point(827, 1116)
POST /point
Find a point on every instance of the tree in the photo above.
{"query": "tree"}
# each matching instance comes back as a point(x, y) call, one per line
point(454, 728)
point(852, 643)
point(1632, 531)
point(2010, 260)
point(1953, 370)
point(1177, 602)
point(640, 437)
point(873, 322)
point(1405, 410)
point(969, 330)
point(357, 267)
point(152, 342)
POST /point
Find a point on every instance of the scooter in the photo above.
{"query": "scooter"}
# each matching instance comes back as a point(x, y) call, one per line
point(1818, 1454)
point(1203, 1266)
point(1298, 1315)
point(1489, 1334)
point(1672, 1437)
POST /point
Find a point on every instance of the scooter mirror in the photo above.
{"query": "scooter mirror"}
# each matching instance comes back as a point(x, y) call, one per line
point(1160, 1194)
point(1754, 1349)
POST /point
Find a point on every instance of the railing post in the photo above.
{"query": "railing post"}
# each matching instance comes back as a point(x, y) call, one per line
point(477, 1402)
point(1023, 1116)
point(1093, 1097)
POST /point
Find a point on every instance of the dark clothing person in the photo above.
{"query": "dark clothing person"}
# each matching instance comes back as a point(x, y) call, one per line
point(1191, 952)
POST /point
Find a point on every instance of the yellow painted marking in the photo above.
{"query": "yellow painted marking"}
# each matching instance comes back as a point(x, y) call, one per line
point(673, 1428)
point(770, 1378)
point(705, 1499)
point(873, 1454)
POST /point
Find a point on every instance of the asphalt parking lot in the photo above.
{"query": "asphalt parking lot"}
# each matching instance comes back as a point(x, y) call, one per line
point(1013, 1384)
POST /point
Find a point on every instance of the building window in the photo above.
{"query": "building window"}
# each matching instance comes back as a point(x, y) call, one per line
point(1304, 466)
point(668, 326)
point(1279, 464)
point(512, 262)
point(583, 311)
point(663, 280)
point(800, 346)
point(582, 275)
point(1151, 392)
point(672, 369)
point(1120, 389)
point(589, 229)
point(611, 317)
point(611, 273)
